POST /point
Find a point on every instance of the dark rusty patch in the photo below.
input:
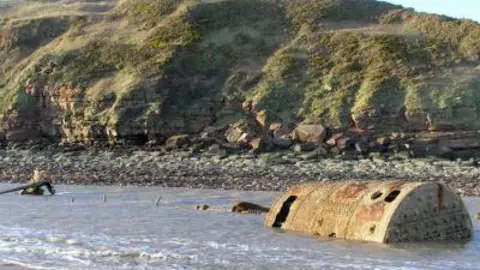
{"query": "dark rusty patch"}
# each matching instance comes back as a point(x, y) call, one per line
point(349, 192)
point(370, 212)
point(440, 195)
point(396, 185)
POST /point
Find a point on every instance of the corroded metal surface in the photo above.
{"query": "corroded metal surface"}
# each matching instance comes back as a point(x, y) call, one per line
point(379, 211)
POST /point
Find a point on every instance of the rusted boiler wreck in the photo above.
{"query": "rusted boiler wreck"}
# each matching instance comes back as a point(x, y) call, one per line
point(378, 211)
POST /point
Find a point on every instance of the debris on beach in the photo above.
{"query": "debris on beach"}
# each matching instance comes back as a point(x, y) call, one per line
point(378, 211)
point(34, 187)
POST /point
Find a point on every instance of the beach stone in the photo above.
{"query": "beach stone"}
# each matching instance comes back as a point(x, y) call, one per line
point(345, 143)
point(331, 142)
point(306, 132)
point(236, 135)
point(362, 147)
point(177, 142)
point(304, 147)
point(318, 152)
point(383, 141)
point(402, 155)
point(282, 142)
point(261, 144)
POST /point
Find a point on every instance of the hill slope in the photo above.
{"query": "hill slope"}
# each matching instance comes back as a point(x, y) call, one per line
point(141, 70)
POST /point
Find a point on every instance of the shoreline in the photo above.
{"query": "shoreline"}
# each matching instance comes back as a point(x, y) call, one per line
point(274, 171)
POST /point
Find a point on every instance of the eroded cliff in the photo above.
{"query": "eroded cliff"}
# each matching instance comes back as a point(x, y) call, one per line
point(138, 71)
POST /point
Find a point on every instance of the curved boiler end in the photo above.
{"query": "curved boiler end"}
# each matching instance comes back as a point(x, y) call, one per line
point(378, 211)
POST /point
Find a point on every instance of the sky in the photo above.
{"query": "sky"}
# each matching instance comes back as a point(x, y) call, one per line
point(469, 9)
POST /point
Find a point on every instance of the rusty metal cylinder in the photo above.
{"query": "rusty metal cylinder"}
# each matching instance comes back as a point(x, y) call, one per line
point(378, 211)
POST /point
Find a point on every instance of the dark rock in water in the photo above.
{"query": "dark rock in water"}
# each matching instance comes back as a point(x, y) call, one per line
point(203, 207)
point(177, 142)
point(248, 207)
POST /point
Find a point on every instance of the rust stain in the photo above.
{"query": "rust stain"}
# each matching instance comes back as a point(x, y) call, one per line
point(296, 190)
point(396, 185)
point(440, 196)
point(349, 192)
point(371, 212)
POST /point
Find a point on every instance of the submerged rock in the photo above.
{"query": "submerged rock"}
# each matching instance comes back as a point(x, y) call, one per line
point(248, 208)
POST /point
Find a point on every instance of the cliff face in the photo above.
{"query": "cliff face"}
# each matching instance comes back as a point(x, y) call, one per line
point(139, 71)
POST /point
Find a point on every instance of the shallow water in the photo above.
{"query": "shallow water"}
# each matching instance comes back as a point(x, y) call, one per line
point(129, 232)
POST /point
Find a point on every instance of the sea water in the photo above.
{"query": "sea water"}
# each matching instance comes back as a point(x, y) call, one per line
point(89, 227)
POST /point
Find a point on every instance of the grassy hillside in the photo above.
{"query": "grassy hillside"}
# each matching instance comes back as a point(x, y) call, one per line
point(152, 68)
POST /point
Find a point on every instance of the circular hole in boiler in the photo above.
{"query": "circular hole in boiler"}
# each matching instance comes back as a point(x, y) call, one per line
point(376, 195)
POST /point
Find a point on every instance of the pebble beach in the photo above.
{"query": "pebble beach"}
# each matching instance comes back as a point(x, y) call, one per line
point(264, 172)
